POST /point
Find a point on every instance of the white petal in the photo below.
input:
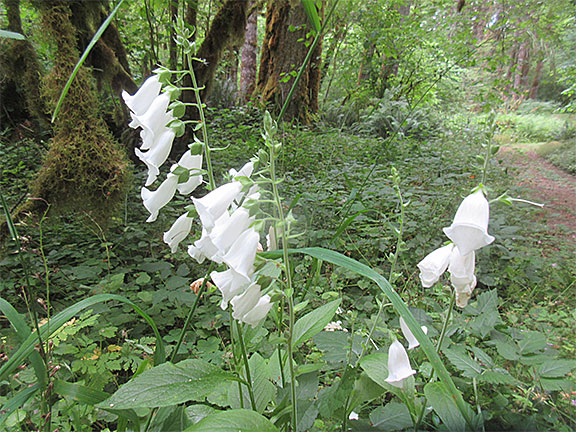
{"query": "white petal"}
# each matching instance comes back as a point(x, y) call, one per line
point(193, 163)
point(154, 201)
point(178, 232)
point(242, 253)
point(245, 171)
point(462, 266)
point(205, 248)
point(412, 341)
point(155, 119)
point(230, 284)
point(398, 364)
point(143, 98)
point(243, 303)
point(434, 265)
point(259, 312)
point(225, 234)
point(155, 157)
point(469, 230)
point(213, 205)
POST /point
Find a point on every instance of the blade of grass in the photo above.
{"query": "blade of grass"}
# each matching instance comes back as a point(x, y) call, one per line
point(93, 42)
point(17, 401)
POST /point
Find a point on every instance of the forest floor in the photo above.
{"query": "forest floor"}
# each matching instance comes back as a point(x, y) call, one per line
point(546, 184)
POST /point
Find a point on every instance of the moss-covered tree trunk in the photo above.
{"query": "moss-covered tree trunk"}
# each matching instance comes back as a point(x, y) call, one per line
point(283, 51)
point(20, 76)
point(85, 169)
point(248, 66)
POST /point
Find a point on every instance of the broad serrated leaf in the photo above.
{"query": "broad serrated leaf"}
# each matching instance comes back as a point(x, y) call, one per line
point(313, 322)
point(334, 344)
point(556, 368)
point(263, 389)
point(497, 377)
point(487, 313)
point(508, 350)
point(169, 384)
point(463, 362)
point(334, 397)
point(532, 342)
point(392, 417)
point(241, 420)
point(365, 390)
point(482, 356)
point(557, 384)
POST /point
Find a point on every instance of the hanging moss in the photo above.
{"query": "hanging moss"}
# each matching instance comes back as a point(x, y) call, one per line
point(85, 169)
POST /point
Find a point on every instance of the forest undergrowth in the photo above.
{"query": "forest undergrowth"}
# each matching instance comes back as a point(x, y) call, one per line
point(531, 269)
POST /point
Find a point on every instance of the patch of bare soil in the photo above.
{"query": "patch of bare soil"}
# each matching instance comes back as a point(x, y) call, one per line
point(546, 184)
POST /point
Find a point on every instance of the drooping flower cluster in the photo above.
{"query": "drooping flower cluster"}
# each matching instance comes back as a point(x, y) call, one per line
point(230, 238)
point(149, 111)
point(468, 232)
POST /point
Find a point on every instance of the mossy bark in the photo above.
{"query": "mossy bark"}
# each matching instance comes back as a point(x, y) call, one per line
point(283, 52)
point(85, 169)
point(20, 76)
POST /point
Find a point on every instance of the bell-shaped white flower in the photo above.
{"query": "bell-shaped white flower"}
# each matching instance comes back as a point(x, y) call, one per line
point(412, 341)
point(258, 312)
point(155, 200)
point(462, 276)
point(463, 288)
point(143, 98)
point(245, 171)
point(230, 284)
point(154, 120)
point(178, 232)
point(434, 265)
point(398, 365)
point(193, 163)
point(469, 230)
point(157, 155)
point(245, 302)
point(213, 205)
point(225, 234)
point(204, 248)
point(242, 253)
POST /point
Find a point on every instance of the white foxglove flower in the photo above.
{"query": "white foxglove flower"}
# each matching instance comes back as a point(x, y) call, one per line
point(258, 312)
point(412, 341)
point(154, 120)
point(193, 163)
point(143, 98)
point(434, 265)
point(178, 232)
point(213, 205)
point(398, 365)
point(225, 234)
point(154, 201)
point(245, 171)
point(204, 248)
point(462, 275)
point(157, 155)
point(230, 285)
point(242, 253)
point(245, 302)
point(469, 230)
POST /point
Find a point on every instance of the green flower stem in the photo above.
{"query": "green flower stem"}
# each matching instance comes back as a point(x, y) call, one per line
point(192, 311)
point(288, 270)
point(207, 149)
point(239, 330)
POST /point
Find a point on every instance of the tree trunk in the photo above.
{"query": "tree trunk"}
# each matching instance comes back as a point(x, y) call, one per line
point(20, 76)
point(248, 64)
point(228, 26)
point(283, 52)
point(85, 168)
point(536, 80)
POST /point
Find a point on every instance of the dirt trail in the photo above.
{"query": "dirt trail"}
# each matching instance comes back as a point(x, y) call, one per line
point(546, 184)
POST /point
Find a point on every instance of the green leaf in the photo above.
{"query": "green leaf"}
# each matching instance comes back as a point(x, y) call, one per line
point(461, 360)
point(497, 376)
point(93, 42)
point(169, 384)
point(312, 323)
point(487, 313)
point(441, 400)
point(241, 420)
point(557, 384)
point(17, 401)
point(508, 350)
point(376, 367)
point(401, 308)
point(392, 417)
point(11, 35)
point(532, 342)
point(334, 344)
point(264, 390)
point(365, 390)
point(23, 332)
point(555, 368)
point(58, 320)
point(312, 13)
